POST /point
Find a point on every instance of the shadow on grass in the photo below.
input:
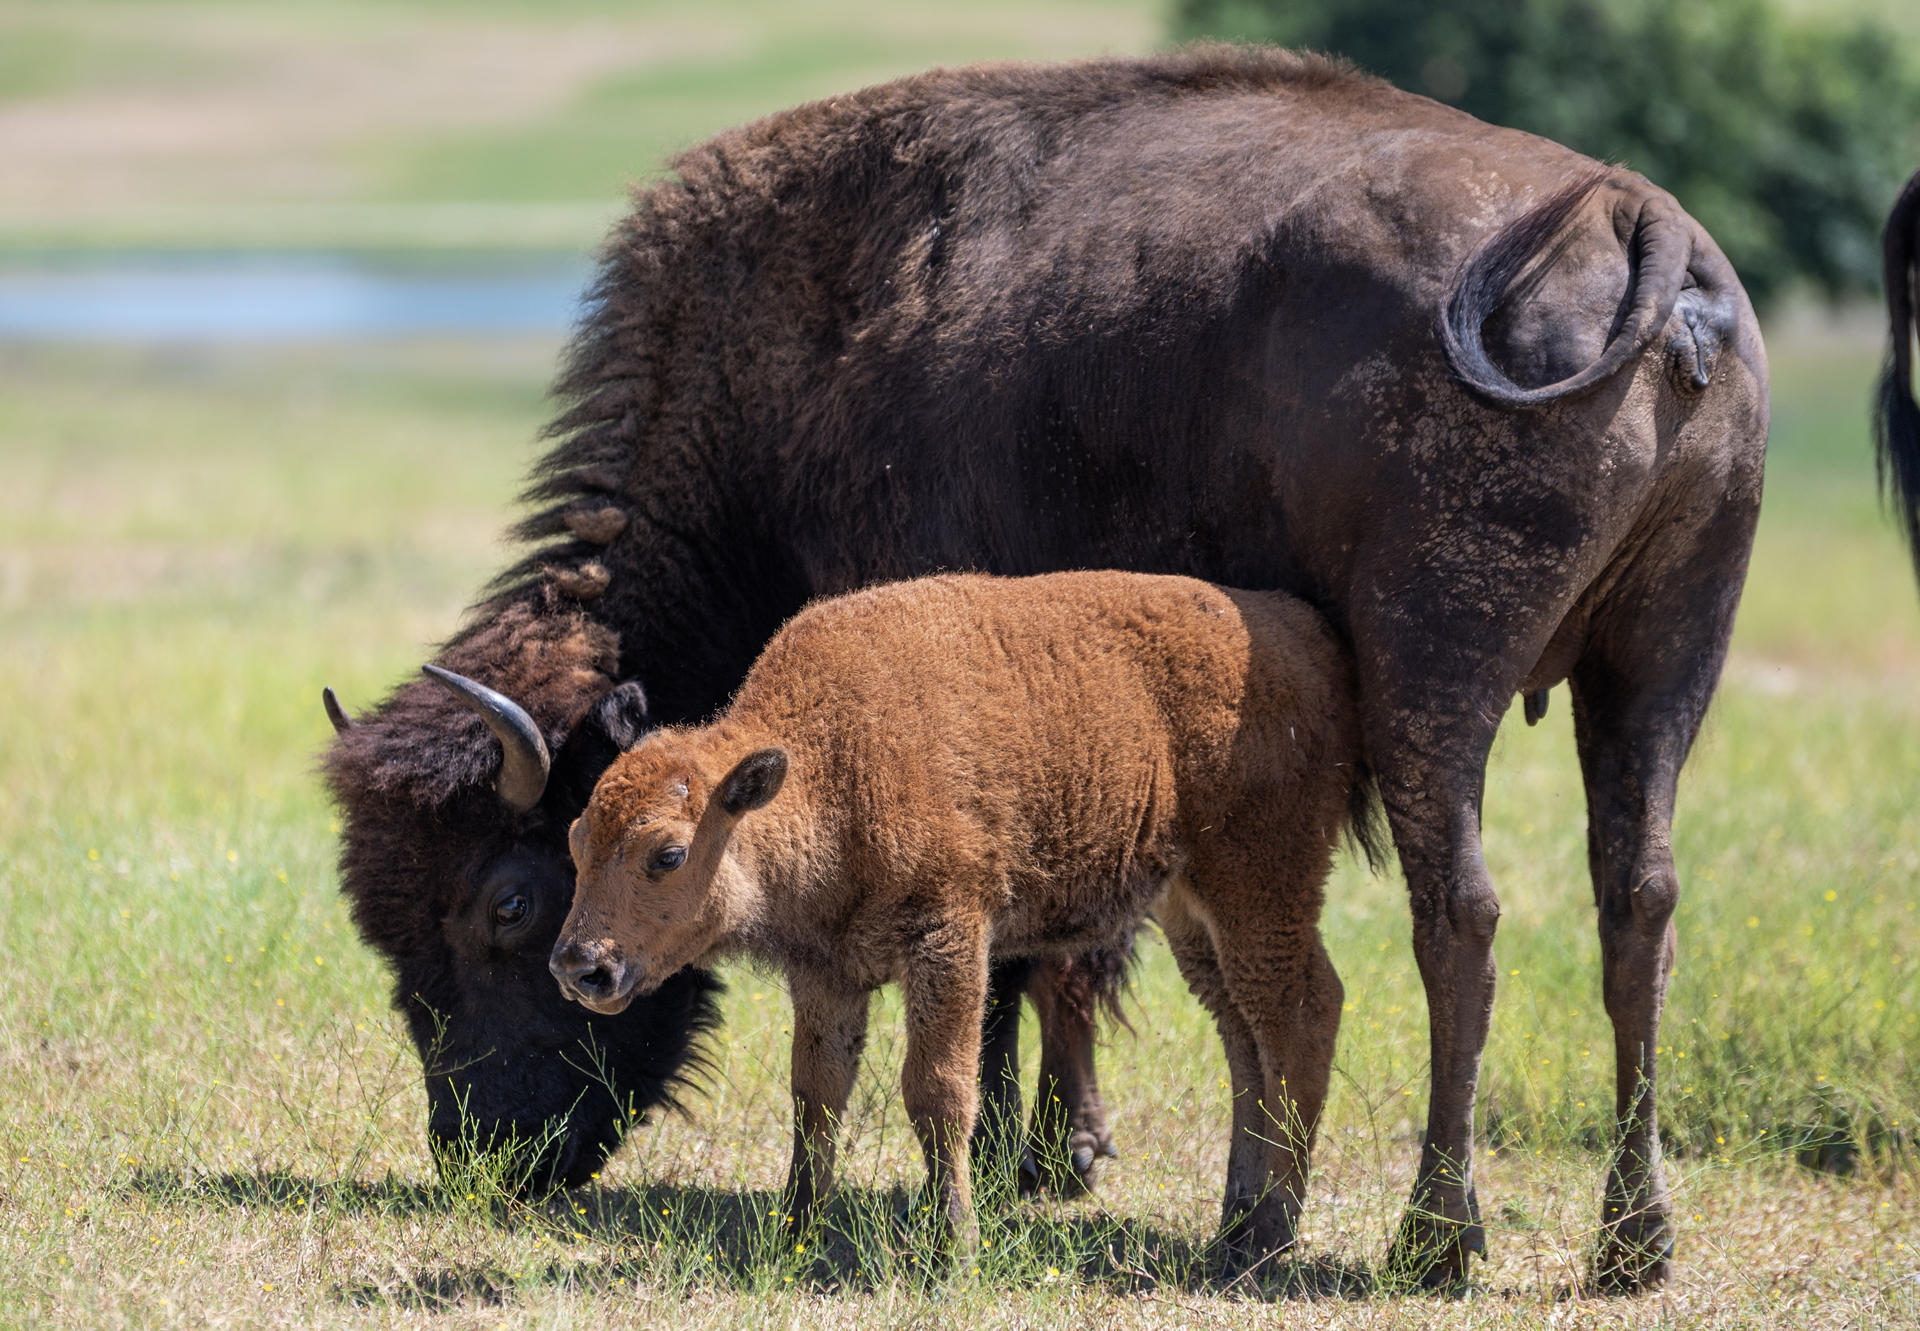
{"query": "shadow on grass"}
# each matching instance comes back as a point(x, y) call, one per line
point(690, 1238)
point(738, 1240)
point(279, 1190)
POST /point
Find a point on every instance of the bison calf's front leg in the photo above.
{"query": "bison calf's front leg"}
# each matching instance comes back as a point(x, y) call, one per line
point(829, 1033)
point(946, 992)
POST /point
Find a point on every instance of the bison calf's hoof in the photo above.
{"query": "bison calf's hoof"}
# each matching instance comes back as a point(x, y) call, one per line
point(1254, 1235)
point(941, 1239)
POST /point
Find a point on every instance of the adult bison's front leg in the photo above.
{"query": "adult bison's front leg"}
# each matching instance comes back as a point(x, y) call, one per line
point(1069, 1134)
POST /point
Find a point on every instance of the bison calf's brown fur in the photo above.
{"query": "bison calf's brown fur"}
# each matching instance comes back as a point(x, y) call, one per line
point(919, 774)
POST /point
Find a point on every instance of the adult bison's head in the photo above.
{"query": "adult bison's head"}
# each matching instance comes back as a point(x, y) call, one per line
point(456, 794)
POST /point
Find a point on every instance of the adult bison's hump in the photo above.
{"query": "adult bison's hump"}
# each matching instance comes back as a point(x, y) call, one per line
point(1147, 296)
point(1005, 209)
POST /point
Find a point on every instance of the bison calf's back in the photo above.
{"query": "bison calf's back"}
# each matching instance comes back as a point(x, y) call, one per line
point(919, 774)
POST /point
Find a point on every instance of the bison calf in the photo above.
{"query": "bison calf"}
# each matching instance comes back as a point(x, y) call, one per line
point(916, 775)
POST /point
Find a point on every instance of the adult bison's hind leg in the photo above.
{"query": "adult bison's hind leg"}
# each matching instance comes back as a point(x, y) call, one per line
point(1437, 672)
point(997, 1134)
point(1434, 808)
point(1639, 693)
point(1069, 1136)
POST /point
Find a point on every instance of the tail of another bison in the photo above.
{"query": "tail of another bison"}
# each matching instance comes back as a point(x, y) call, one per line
point(1896, 415)
point(1660, 251)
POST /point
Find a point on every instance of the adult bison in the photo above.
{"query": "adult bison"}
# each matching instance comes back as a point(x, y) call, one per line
point(1499, 412)
point(1897, 415)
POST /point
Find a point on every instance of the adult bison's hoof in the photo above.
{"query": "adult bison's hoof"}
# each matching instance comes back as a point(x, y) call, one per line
point(1069, 1169)
point(1635, 1255)
point(1233, 1247)
point(1434, 1241)
point(1254, 1236)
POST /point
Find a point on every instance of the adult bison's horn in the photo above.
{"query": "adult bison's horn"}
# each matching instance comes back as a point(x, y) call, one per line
point(524, 761)
point(337, 714)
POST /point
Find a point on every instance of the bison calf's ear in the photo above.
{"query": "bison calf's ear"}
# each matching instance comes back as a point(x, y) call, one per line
point(754, 780)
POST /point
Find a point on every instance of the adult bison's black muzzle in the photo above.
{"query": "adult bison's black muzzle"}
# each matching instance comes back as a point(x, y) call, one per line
point(520, 1082)
point(544, 1109)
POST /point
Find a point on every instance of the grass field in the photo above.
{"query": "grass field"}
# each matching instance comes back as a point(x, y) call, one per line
point(208, 1114)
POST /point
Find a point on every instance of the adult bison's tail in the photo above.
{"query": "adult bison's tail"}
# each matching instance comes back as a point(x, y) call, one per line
point(1896, 422)
point(1660, 252)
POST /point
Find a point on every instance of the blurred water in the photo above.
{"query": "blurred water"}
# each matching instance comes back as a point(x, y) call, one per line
point(273, 297)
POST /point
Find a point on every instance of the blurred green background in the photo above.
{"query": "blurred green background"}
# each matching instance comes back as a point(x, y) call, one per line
point(1783, 132)
point(429, 123)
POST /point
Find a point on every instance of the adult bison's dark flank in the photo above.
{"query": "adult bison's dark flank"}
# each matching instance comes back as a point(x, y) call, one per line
point(1498, 412)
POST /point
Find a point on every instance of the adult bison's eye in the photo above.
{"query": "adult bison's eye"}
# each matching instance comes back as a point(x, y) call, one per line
point(510, 910)
point(669, 859)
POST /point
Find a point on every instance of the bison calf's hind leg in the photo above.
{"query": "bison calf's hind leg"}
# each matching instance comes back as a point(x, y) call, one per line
point(946, 994)
point(829, 1033)
point(1289, 996)
point(1247, 1149)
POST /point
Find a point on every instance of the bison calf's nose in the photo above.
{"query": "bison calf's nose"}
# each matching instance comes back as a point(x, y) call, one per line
point(588, 975)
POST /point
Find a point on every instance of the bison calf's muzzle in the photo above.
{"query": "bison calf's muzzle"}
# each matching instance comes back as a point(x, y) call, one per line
point(594, 976)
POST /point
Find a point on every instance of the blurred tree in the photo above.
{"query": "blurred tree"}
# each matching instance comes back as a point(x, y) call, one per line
point(1787, 141)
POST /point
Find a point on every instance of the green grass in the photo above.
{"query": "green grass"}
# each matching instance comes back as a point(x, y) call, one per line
point(206, 1096)
point(761, 59)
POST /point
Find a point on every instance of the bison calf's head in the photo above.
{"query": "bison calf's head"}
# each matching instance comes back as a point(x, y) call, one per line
point(659, 884)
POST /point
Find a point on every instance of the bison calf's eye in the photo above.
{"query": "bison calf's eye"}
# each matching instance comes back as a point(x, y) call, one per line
point(668, 860)
point(510, 910)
